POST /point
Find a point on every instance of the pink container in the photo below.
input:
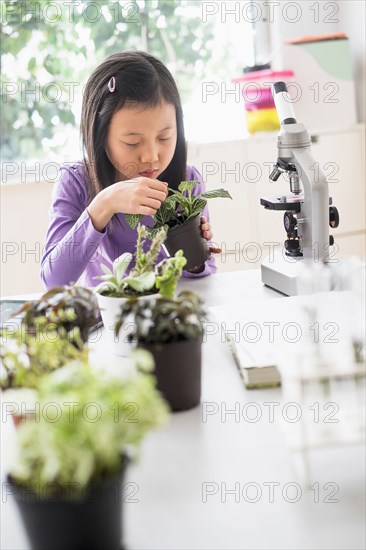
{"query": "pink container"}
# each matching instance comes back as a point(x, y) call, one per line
point(266, 75)
point(256, 97)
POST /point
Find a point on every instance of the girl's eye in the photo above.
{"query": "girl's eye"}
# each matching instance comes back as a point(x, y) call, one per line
point(164, 139)
point(132, 144)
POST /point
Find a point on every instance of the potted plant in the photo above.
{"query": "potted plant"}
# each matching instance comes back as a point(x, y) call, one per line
point(25, 356)
point(172, 331)
point(66, 309)
point(66, 475)
point(180, 214)
point(145, 279)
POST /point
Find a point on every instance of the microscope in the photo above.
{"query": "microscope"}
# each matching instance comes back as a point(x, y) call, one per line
point(307, 211)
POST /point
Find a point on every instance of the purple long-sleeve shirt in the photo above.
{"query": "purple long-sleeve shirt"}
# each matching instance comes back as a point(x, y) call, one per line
point(74, 249)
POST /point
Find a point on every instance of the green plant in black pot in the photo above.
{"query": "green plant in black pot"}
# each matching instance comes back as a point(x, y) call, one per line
point(181, 215)
point(172, 331)
point(66, 475)
point(71, 310)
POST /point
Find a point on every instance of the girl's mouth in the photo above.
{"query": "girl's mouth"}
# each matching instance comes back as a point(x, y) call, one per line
point(148, 173)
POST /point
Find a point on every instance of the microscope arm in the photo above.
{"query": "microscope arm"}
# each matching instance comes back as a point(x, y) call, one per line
point(313, 220)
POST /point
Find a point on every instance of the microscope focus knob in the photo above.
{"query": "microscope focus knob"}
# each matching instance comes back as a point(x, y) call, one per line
point(333, 217)
point(292, 247)
point(289, 222)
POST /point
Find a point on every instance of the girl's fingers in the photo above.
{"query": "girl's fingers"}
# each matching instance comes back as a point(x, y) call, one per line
point(156, 184)
point(151, 203)
point(206, 229)
point(146, 211)
point(158, 195)
point(214, 250)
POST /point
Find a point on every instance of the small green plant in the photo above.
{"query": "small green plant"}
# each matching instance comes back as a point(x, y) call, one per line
point(63, 308)
point(25, 356)
point(146, 277)
point(76, 452)
point(162, 320)
point(179, 207)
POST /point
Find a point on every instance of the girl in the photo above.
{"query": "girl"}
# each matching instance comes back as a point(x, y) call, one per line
point(134, 147)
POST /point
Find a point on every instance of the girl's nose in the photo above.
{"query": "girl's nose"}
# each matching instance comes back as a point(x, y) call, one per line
point(149, 154)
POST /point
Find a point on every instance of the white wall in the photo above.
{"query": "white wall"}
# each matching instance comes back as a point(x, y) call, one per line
point(24, 220)
point(352, 22)
point(323, 17)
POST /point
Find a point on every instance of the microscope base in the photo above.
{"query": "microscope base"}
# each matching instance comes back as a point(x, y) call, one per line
point(282, 273)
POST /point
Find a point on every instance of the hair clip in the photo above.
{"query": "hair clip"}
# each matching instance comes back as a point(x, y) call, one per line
point(112, 84)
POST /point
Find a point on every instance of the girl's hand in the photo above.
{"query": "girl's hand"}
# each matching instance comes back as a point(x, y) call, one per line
point(137, 196)
point(207, 234)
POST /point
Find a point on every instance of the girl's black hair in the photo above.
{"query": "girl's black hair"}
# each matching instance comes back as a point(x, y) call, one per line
point(139, 78)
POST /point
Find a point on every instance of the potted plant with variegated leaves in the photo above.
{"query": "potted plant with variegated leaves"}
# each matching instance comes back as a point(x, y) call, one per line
point(146, 279)
point(180, 214)
point(26, 355)
point(172, 330)
point(66, 309)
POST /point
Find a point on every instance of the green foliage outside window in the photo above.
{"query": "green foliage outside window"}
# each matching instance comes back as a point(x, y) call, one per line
point(49, 48)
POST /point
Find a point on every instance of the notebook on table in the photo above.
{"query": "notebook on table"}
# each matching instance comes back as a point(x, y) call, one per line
point(257, 366)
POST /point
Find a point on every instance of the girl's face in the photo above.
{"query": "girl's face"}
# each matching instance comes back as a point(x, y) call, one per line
point(141, 140)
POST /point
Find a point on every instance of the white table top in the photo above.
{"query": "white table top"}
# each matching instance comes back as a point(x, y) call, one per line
point(214, 481)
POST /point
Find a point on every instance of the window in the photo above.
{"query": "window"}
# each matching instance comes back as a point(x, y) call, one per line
point(49, 48)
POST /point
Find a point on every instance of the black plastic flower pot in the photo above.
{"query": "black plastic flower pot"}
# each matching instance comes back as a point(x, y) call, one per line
point(65, 522)
point(178, 372)
point(188, 237)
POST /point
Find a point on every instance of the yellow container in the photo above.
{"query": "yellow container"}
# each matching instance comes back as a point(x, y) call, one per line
point(262, 120)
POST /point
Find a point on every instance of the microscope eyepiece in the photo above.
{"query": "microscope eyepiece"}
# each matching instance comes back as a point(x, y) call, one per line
point(280, 87)
point(283, 103)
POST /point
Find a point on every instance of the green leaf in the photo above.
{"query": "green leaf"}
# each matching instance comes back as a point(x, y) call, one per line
point(183, 202)
point(142, 283)
point(105, 277)
point(31, 64)
point(153, 231)
point(105, 269)
point(133, 220)
point(197, 207)
point(106, 286)
point(52, 65)
point(168, 272)
point(120, 265)
point(217, 193)
point(166, 211)
point(187, 185)
point(144, 360)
